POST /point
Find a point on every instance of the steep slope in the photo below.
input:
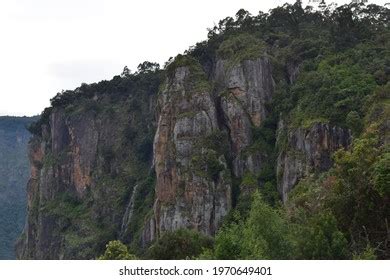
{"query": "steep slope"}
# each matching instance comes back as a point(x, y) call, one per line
point(246, 89)
point(263, 106)
point(14, 172)
point(193, 184)
point(308, 151)
point(87, 157)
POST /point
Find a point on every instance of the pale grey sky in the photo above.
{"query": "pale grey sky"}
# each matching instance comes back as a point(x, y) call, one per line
point(50, 45)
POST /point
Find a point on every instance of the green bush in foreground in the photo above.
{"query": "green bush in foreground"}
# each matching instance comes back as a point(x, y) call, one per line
point(181, 244)
point(116, 250)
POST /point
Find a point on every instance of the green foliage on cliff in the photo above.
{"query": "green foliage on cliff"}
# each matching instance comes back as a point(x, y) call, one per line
point(237, 49)
point(195, 79)
point(332, 91)
point(381, 174)
point(207, 164)
point(212, 151)
point(360, 196)
point(143, 203)
point(89, 97)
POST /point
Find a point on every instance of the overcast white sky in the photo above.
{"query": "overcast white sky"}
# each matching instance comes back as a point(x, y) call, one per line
point(50, 45)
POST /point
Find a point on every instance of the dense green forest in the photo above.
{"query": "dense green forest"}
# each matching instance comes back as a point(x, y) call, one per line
point(14, 172)
point(330, 67)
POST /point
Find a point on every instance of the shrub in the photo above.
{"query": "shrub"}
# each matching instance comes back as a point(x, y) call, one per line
point(263, 235)
point(197, 78)
point(320, 238)
point(354, 122)
point(381, 175)
point(116, 250)
point(367, 254)
point(241, 47)
point(178, 245)
point(207, 164)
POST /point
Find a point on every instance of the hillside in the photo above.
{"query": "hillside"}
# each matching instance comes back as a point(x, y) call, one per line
point(14, 173)
point(267, 141)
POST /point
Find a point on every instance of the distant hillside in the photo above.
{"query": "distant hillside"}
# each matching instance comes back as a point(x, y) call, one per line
point(14, 171)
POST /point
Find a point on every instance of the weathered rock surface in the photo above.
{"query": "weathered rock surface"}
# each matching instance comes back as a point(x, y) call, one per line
point(187, 194)
point(245, 91)
point(307, 151)
point(83, 169)
point(60, 163)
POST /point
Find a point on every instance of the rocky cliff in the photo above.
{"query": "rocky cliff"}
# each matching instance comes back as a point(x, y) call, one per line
point(306, 151)
point(194, 179)
point(158, 151)
point(245, 90)
point(94, 175)
point(87, 157)
point(193, 184)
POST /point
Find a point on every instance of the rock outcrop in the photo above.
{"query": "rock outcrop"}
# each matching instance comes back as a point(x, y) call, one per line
point(62, 162)
point(245, 90)
point(86, 162)
point(193, 186)
point(305, 151)
point(194, 182)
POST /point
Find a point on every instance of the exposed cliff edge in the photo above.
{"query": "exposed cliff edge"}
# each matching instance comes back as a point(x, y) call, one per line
point(193, 184)
point(87, 157)
point(306, 151)
point(245, 90)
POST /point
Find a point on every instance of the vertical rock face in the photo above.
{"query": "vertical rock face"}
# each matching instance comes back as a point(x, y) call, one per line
point(193, 188)
point(74, 143)
point(62, 161)
point(86, 162)
point(26, 248)
point(246, 89)
point(306, 151)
